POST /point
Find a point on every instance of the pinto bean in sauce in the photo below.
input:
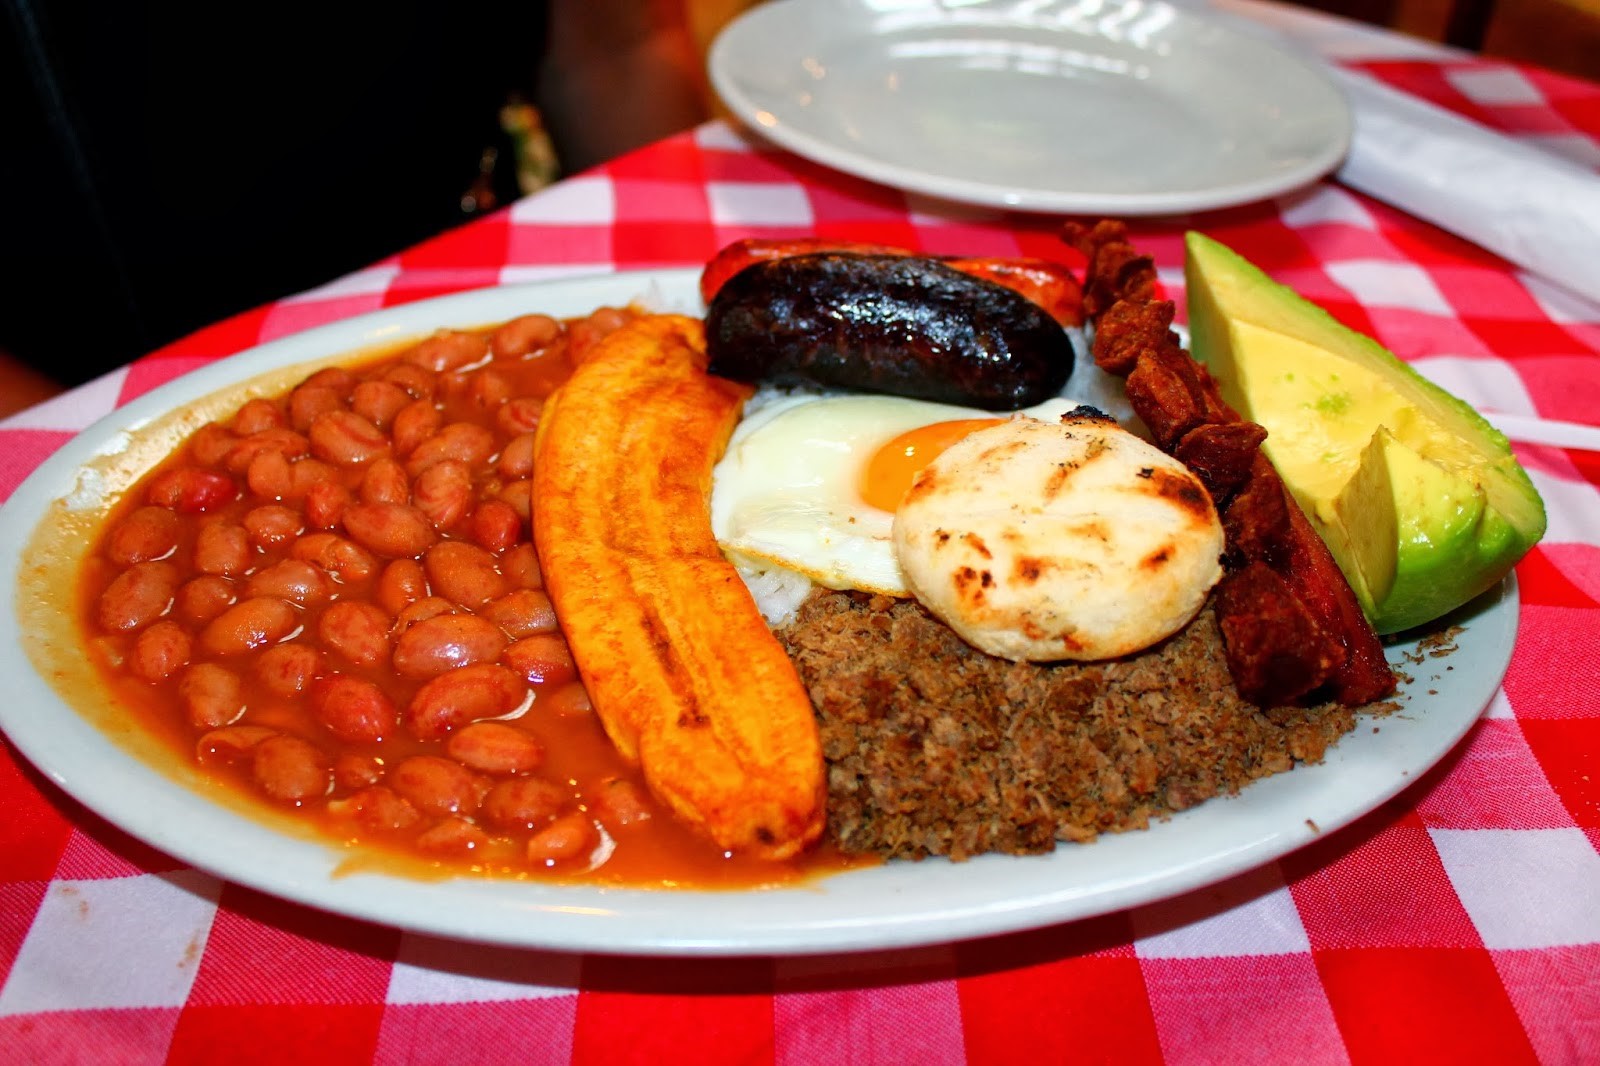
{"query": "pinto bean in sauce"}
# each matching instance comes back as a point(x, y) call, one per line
point(330, 600)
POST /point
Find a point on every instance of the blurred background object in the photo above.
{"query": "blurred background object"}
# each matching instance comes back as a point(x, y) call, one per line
point(168, 165)
point(173, 164)
point(1563, 35)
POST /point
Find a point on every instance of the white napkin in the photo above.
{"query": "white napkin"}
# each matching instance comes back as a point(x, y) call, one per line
point(1526, 205)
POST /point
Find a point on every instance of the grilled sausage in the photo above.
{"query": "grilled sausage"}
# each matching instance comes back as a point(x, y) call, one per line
point(1048, 284)
point(904, 325)
point(734, 257)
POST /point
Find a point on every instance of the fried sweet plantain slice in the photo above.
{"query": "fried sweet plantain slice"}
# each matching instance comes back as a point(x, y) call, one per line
point(681, 668)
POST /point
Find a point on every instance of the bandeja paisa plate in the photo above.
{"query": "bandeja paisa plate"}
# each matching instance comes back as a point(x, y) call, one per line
point(102, 762)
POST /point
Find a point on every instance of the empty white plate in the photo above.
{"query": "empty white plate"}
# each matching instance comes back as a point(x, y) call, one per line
point(1126, 108)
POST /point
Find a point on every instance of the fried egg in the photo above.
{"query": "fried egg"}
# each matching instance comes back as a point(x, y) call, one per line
point(810, 482)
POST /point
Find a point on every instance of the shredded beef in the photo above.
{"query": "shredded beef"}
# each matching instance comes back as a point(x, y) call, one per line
point(934, 748)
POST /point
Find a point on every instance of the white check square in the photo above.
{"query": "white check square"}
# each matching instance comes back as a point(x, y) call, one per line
point(154, 926)
point(1487, 383)
point(1379, 284)
point(430, 970)
point(742, 203)
point(1252, 914)
point(1323, 205)
point(1500, 86)
point(1573, 506)
point(1172, 280)
point(518, 274)
point(722, 137)
point(1525, 888)
point(578, 201)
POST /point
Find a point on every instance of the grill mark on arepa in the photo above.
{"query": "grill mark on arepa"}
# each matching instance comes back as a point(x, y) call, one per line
point(1095, 528)
point(1093, 449)
point(1183, 491)
point(971, 584)
point(1027, 570)
point(1001, 451)
point(1058, 479)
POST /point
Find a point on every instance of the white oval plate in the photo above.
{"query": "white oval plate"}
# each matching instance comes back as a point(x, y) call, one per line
point(898, 904)
point(1088, 107)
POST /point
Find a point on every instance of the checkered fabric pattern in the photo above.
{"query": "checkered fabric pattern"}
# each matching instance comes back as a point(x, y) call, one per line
point(1458, 923)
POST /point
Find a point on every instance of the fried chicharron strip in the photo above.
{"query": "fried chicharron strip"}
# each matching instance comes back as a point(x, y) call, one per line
point(1291, 627)
point(679, 664)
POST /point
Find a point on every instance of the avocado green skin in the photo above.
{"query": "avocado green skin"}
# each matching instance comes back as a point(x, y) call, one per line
point(1432, 577)
point(1448, 554)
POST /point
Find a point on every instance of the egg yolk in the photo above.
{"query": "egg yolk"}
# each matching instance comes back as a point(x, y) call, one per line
point(894, 466)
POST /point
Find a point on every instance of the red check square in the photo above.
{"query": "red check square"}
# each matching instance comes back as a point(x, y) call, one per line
point(101, 850)
point(154, 371)
point(1556, 667)
point(679, 160)
point(241, 1035)
point(1568, 751)
point(482, 244)
point(1562, 386)
point(651, 201)
point(1422, 1004)
point(33, 832)
point(1067, 994)
point(542, 243)
point(19, 904)
point(1561, 575)
point(1383, 887)
point(672, 1011)
point(264, 950)
point(659, 244)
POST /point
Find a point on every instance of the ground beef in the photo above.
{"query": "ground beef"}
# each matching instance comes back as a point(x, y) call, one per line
point(934, 748)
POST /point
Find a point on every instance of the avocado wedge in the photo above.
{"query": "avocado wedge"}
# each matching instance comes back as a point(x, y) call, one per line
point(1418, 498)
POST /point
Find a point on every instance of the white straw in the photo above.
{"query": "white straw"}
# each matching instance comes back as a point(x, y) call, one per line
point(1531, 429)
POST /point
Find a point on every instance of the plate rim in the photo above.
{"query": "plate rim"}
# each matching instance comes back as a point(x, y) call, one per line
point(912, 909)
point(985, 194)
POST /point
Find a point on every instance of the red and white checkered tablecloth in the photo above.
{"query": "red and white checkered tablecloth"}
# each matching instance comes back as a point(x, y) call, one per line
point(1458, 923)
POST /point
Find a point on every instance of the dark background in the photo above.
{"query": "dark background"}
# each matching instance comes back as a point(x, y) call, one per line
point(164, 166)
